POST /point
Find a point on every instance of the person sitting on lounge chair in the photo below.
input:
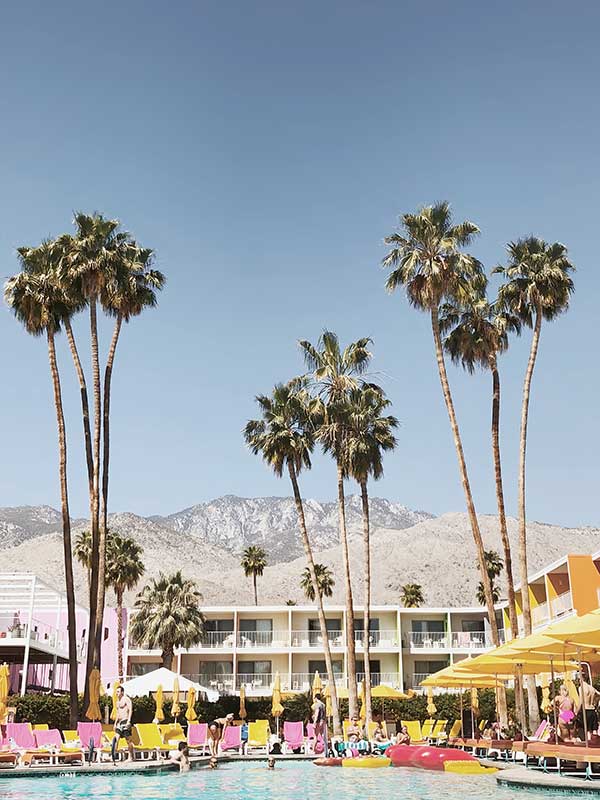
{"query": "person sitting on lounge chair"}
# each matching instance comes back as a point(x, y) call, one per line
point(404, 736)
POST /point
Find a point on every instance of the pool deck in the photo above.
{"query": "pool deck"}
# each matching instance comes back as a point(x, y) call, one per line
point(521, 778)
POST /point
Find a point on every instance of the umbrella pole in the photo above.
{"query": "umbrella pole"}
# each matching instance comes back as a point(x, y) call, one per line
point(519, 667)
point(583, 709)
point(462, 733)
point(553, 701)
point(472, 718)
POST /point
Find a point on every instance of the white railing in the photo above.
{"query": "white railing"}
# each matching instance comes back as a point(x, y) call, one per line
point(418, 677)
point(254, 680)
point(378, 638)
point(314, 638)
point(36, 631)
point(378, 678)
point(212, 639)
point(561, 604)
point(262, 639)
point(475, 640)
point(221, 683)
point(424, 640)
point(539, 614)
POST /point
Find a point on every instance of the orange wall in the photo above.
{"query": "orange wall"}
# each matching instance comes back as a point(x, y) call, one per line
point(585, 583)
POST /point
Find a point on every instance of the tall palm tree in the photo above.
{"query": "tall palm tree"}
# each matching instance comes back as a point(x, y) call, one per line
point(325, 582)
point(494, 565)
point(41, 304)
point(131, 289)
point(90, 260)
point(82, 550)
point(412, 595)
point(538, 287)
point(167, 615)
point(426, 257)
point(335, 372)
point(254, 561)
point(370, 433)
point(477, 333)
point(284, 437)
point(124, 568)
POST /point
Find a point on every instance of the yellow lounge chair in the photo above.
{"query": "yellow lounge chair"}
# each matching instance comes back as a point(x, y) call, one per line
point(258, 736)
point(149, 741)
point(439, 729)
point(107, 739)
point(483, 724)
point(371, 729)
point(427, 728)
point(414, 730)
point(454, 730)
point(345, 725)
point(172, 733)
point(41, 726)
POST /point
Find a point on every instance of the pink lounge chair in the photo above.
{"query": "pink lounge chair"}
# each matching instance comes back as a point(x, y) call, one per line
point(232, 739)
point(52, 740)
point(293, 736)
point(90, 736)
point(21, 733)
point(197, 737)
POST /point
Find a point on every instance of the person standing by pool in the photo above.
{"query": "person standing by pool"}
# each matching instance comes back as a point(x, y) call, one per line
point(215, 732)
point(590, 701)
point(319, 721)
point(122, 726)
point(566, 713)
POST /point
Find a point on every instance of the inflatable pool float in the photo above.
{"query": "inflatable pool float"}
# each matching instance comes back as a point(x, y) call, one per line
point(328, 762)
point(442, 759)
point(367, 762)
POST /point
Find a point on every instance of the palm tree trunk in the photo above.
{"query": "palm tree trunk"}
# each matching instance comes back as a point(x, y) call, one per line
point(532, 701)
point(93, 657)
point(350, 644)
point(66, 522)
point(367, 611)
point(119, 594)
point(255, 589)
point(167, 656)
point(105, 468)
point(85, 409)
point(462, 465)
point(337, 728)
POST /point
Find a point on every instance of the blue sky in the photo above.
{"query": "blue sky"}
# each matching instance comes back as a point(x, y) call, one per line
point(264, 150)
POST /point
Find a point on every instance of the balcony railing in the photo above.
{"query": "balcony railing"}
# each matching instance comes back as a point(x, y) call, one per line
point(221, 683)
point(474, 640)
point(381, 639)
point(254, 681)
point(539, 615)
point(36, 631)
point(222, 639)
point(392, 679)
point(425, 640)
point(262, 639)
point(562, 604)
point(314, 638)
point(417, 677)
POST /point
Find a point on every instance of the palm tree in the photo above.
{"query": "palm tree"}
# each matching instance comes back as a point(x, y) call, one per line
point(426, 258)
point(82, 550)
point(124, 568)
point(478, 332)
point(335, 372)
point(90, 261)
point(41, 304)
point(369, 434)
point(167, 616)
point(254, 561)
point(284, 437)
point(412, 595)
point(325, 582)
point(538, 287)
point(494, 565)
point(131, 291)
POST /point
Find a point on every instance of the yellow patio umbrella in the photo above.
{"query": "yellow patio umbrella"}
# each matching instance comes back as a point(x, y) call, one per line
point(242, 712)
point(327, 696)
point(431, 707)
point(93, 710)
point(317, 684)
point(276, 707)
point(453, 677)
point(474, 701)
point(546, 704)
point(342, 692)
point(190, 714)
point(363, 704)
point(175, 707)
point(582, 631)
point(113, 711)
point(4, 673)
point(159, 714)
point(388, 692)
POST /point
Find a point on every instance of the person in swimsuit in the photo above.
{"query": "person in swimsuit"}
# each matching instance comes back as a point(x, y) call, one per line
point(354, 729)
point(122, 726)
point(215, 732)
point(590, 701)
point(181, 757)
point(566, 713)
point(404, 736)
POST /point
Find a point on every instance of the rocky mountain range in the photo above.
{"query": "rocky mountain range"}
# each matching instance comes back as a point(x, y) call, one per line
point(206, 541)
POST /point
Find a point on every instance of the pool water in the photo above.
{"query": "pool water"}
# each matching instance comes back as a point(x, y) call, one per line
point(253, 781)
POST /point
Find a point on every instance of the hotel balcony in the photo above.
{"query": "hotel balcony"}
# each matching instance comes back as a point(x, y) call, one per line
point(417, 641)
point(384, 640)
point(263, 639)
point(309, 639)
point(563, 604)
point(474, 640)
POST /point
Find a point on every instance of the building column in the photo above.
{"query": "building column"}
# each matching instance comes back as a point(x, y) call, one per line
point(400, 659)
point(28, 641)
point(449, 632)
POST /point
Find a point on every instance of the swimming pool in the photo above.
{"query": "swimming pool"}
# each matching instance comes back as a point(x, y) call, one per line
point(252, 781)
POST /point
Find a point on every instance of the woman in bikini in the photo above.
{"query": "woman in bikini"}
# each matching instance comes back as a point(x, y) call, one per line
point(215, 732)
point(566, 713)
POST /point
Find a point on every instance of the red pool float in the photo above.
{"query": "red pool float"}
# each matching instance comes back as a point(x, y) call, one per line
point(426, 757)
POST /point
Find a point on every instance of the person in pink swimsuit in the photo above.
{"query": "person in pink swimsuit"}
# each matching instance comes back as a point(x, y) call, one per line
point(566, 713)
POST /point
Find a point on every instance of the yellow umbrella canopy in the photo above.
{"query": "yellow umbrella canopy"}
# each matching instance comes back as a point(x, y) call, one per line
point(190, 713)
point(579, 631)
point(363, 704)
point(113, 711)
point(242, 712)
point(431, 707)
point(93, 710)
point(474, 701)
point(4, 673)
point(276, 707)
point(159, 714)
point(542, 646)
point(317, 685)
point(327, 696)
point(453, 677)
point(388, 692)
point(175, 707)
point(505, 660)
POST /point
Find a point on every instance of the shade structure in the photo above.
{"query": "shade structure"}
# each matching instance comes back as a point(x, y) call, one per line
point(4, 673)
point(242, 711)
point(327, 696)
point(431, 707)
point(317, 684)
point(388, 692)
point(113, 711)
point(175, 707)
point(190, 713)
point(93, 709)
point(159, 714)
point(147, 684)
point(276, 707)
point(454, 678)
point(540, 646)
point(580, 631)
point(363, 704)
point(504, 660)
